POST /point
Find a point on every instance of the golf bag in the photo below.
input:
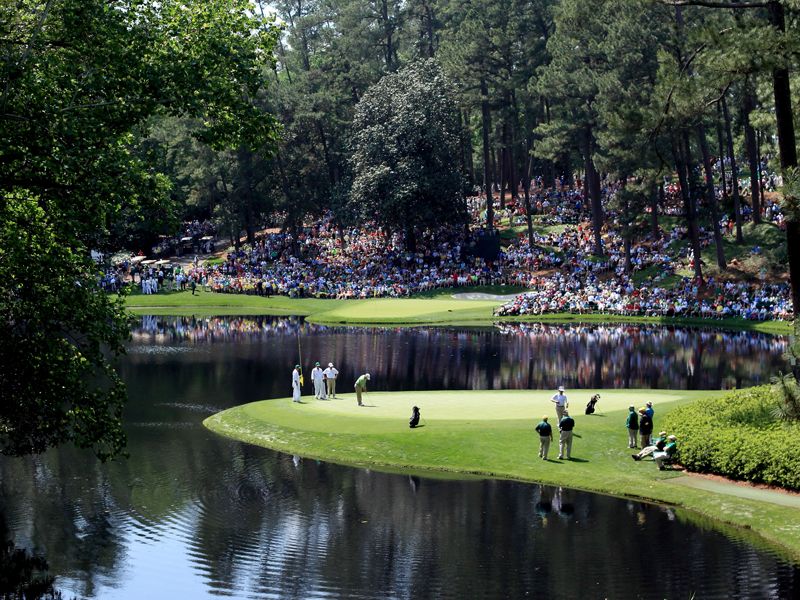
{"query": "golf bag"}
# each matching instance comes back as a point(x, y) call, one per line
point(414, 420)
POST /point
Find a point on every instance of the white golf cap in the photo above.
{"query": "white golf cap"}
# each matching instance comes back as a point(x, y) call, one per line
point(330, 364)
point(561, 388)
point(367, 375)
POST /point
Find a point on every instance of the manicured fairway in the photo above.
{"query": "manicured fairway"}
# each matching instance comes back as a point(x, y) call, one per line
point(491, 433)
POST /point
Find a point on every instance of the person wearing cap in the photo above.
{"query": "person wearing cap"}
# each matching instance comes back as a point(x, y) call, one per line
point(667, 453)
point(649, 410)
point(565, 427)
point(331, 373)
point(296, 384)
point(645, 428)
point(545, 432)
point(560, 400)
point(361, 387)
point(319, 382)
point(632, 424)
point(658, 444)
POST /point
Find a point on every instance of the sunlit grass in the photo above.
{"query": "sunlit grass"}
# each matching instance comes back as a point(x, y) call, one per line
point(492, 433)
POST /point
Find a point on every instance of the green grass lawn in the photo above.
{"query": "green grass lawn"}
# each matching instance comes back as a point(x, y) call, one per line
point(447, 293)
point(491, 434)
point(439, 308)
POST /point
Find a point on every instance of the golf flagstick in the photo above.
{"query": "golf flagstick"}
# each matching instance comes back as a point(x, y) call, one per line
point(300, 356)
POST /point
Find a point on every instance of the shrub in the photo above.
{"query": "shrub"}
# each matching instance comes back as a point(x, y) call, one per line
point(737, 436)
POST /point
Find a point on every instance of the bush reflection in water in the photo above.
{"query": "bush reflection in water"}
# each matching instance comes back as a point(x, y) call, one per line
point(190, 514)
point(193, 515)
point(508, 356)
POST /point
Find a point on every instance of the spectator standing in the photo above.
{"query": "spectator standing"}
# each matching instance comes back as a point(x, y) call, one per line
point(296, 384)
point(645, 428)
point(318, 377)
point(560, 400)
point(545, 432)
point(565, 427)
point(331, 374)
point(632, 424)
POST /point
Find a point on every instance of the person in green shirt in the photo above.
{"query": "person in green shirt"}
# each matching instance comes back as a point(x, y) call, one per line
point(565, 427)
point(545, 432)
point(658, 444)
point(361, 387)
point(667, 453)
point(632, 423)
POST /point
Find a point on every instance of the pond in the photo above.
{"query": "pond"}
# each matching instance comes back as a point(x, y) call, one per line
point(190, 514)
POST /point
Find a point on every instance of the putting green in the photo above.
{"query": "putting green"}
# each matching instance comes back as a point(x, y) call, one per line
point(451, 406)
point(491, 433)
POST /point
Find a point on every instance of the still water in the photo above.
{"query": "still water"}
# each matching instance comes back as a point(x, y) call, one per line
point(192, 515)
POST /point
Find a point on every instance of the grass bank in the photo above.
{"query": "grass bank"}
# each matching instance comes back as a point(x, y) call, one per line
point(443, 307)
point(491, 434)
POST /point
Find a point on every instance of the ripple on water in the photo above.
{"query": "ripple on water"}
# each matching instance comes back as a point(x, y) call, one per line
point(203, 408)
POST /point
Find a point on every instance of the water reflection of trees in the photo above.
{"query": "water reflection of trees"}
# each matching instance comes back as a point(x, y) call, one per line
point(510, 356)
point(256, 523)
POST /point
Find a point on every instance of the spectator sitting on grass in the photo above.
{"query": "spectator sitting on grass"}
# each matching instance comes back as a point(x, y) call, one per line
point(658, 444)
point(667, 453)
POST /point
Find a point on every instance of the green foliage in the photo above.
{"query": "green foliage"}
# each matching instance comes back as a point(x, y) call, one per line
point(56, 330)
point(737, 436)
point(788, 392)
point(405, 150)
point(80, 80)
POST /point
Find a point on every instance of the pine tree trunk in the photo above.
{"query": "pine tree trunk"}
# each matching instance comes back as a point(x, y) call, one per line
point(487, 178)
point(737, 209)
point(411, 239)
point(656, 200)
point(787, 146)
point(748, 105)
point(526, 184)
point(711, 197)
point(682, 159)
point(466, 146)
point(512, 175)
point(721, 151)
point(493, 157)
point(627, 245)
point(592, 182)
point(503, 182)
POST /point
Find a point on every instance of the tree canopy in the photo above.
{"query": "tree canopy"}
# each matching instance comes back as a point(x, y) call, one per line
point(79, 81)
point(121, 117)
point(405, 158)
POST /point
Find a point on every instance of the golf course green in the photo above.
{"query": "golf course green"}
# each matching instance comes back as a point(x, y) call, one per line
point(437, 308)
point(491, 433)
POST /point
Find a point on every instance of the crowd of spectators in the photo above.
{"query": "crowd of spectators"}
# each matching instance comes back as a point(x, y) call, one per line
point(560, 268)
point(619, 296)
point(365, 264)
point(194, 235)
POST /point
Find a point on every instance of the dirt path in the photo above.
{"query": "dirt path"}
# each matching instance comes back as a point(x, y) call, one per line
point(740, 489)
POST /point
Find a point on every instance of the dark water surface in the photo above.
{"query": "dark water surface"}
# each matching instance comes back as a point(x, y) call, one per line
point(193, 515)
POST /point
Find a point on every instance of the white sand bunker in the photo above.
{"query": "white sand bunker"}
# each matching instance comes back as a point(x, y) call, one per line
point(480, 296)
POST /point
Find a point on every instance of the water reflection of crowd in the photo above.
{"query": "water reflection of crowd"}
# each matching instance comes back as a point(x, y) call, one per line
point(220, 329)
point(511, 356)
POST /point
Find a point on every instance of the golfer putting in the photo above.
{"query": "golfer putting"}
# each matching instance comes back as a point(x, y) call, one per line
point(361, 387)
